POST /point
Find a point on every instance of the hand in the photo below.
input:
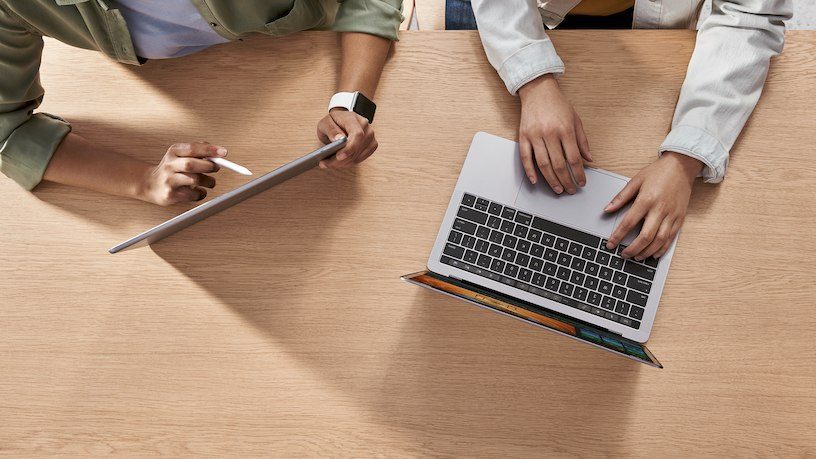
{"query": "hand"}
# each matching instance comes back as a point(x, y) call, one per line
point(551, 130)
point(661, 192)
point(342, 123)
point(181, 174)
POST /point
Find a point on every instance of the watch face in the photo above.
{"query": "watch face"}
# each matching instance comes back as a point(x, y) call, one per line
point(364, 107)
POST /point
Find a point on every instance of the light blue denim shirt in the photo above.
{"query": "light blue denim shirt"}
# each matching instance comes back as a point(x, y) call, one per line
point(724, 79)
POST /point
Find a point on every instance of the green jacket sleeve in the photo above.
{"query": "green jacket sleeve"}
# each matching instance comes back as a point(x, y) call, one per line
point(375, 17)
point(27, 140)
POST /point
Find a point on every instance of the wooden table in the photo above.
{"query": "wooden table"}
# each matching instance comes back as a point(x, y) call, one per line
point(281, 327)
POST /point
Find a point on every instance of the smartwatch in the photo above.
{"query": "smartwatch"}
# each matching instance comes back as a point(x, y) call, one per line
point(355, 102)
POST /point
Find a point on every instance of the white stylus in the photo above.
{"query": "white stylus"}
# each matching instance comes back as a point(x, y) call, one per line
point(231, 166)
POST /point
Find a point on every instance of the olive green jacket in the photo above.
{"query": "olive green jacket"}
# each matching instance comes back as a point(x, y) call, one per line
point(28, 139)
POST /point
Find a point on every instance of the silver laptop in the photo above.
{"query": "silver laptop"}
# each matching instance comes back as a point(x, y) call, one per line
point(521, 250)
point(231, 198)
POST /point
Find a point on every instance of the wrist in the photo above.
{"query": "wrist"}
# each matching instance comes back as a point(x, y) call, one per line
point(140, 186)
point(690, 166)
point(546, 82)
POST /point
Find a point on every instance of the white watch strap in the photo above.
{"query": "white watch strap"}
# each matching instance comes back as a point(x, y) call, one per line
point(343, 100)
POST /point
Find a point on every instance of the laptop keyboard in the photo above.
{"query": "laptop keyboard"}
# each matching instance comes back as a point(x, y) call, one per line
point(547, 259)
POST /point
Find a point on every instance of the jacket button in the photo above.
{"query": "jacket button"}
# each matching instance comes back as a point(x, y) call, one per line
point(212, 24)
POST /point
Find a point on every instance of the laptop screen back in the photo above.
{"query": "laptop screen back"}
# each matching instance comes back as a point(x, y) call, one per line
point(537, 315)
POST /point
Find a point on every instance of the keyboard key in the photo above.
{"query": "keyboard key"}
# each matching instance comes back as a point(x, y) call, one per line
point(534, 235)
point(471, 257)
point(522, 259)
point(605, 273)
point(509, 241)
point(494, 222)
point(575, 249)
point(619, 292)
point(612, 316)
point(603, 246)
point(520, 231)
point(622, 307)
point(616, 262)
point(481, 204)
point(523, 245)
point(635, 324)
point(454, 251)
point(636, 298)
point(639, 284)
point(495, 250)
point(494, 208)
point(603, 258)
point(636, 313)
point(577, 278)
point(639, 270)
point(578, 264)
point(566, 289)
point(539, 279)
point(548, 239)
point(464, 226)
point(561, 244)
point(550, 255)
point(550, 268)
point(619, 278)
point(484, 261)
point(455, 237)
point(483, 232)
point(564, 231)
point(468, 241)
point(482, 246)
point(563, 273)
point(552, 284)
point(525, 275)
point(564, 259)
point(597, 312)
point(594, 298)
point(523, 218)
point(536, 264)
point(608, 303)
point(473, 215)
point(507, 226)
point(537, 251)
point(508, 212)
point(651, 262)
point(509, 255)
point(580, 293)
point(591, 269)
point(496, 236)
point(497, 265)
point(605, 288)
point(507, 280)
point(511, 270)
point(591, 283)
point(468, 199)
point(589, 253)
point(625, 321)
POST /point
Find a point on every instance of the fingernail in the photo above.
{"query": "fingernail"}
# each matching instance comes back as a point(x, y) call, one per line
point(338, 136)
point(322, 164)
point(582, 183)
point(639, 258)
point(221, 151)
point(608, 206)
point(558, 190)
point(610, 245)
point(342, 156)
point(532, 179)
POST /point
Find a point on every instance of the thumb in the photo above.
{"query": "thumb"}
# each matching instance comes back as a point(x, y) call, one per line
point(626, 194)
point(328, 131)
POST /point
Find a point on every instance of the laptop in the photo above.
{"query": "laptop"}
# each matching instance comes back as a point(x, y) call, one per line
point(231, 198)
point(521, 250)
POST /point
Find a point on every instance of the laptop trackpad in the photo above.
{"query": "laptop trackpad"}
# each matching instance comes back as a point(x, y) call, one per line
point(583, 210)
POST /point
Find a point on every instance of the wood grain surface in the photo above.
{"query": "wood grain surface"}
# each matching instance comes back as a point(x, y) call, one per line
point(280, 327)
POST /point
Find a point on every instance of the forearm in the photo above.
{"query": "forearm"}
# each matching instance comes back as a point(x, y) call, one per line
point(79, 163)
point(363, 59)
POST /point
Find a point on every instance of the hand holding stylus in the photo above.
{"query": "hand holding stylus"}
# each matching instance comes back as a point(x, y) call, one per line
point(181, 176)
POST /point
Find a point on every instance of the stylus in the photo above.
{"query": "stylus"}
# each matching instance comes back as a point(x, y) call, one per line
point(231, 166)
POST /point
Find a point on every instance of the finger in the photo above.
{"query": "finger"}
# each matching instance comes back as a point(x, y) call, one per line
point(629, 221)
point(583, 142)
point(675, 229)
point(188, 194)
point(542, 157)
point(663, 235)
point(180, 179)
point(576, 163)
point(352, 125)
point(328, 131)
point(194, 165)
point(369, 151)
point(624, 196)
point(647, 234)
point(197, 150)
point(526, 154)
point(559, 164)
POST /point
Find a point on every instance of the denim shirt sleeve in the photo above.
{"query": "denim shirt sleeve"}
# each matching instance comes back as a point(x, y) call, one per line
point(725, 78)
point(515, 42)
point(27, 140)
point(375, 17)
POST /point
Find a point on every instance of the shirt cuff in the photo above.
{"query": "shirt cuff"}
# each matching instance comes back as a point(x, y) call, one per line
point(529, 63)
point(28, 150)
point(699, 144)
point(375, 17)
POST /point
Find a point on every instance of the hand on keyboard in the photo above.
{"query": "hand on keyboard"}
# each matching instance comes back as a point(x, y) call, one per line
point(661, 192)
